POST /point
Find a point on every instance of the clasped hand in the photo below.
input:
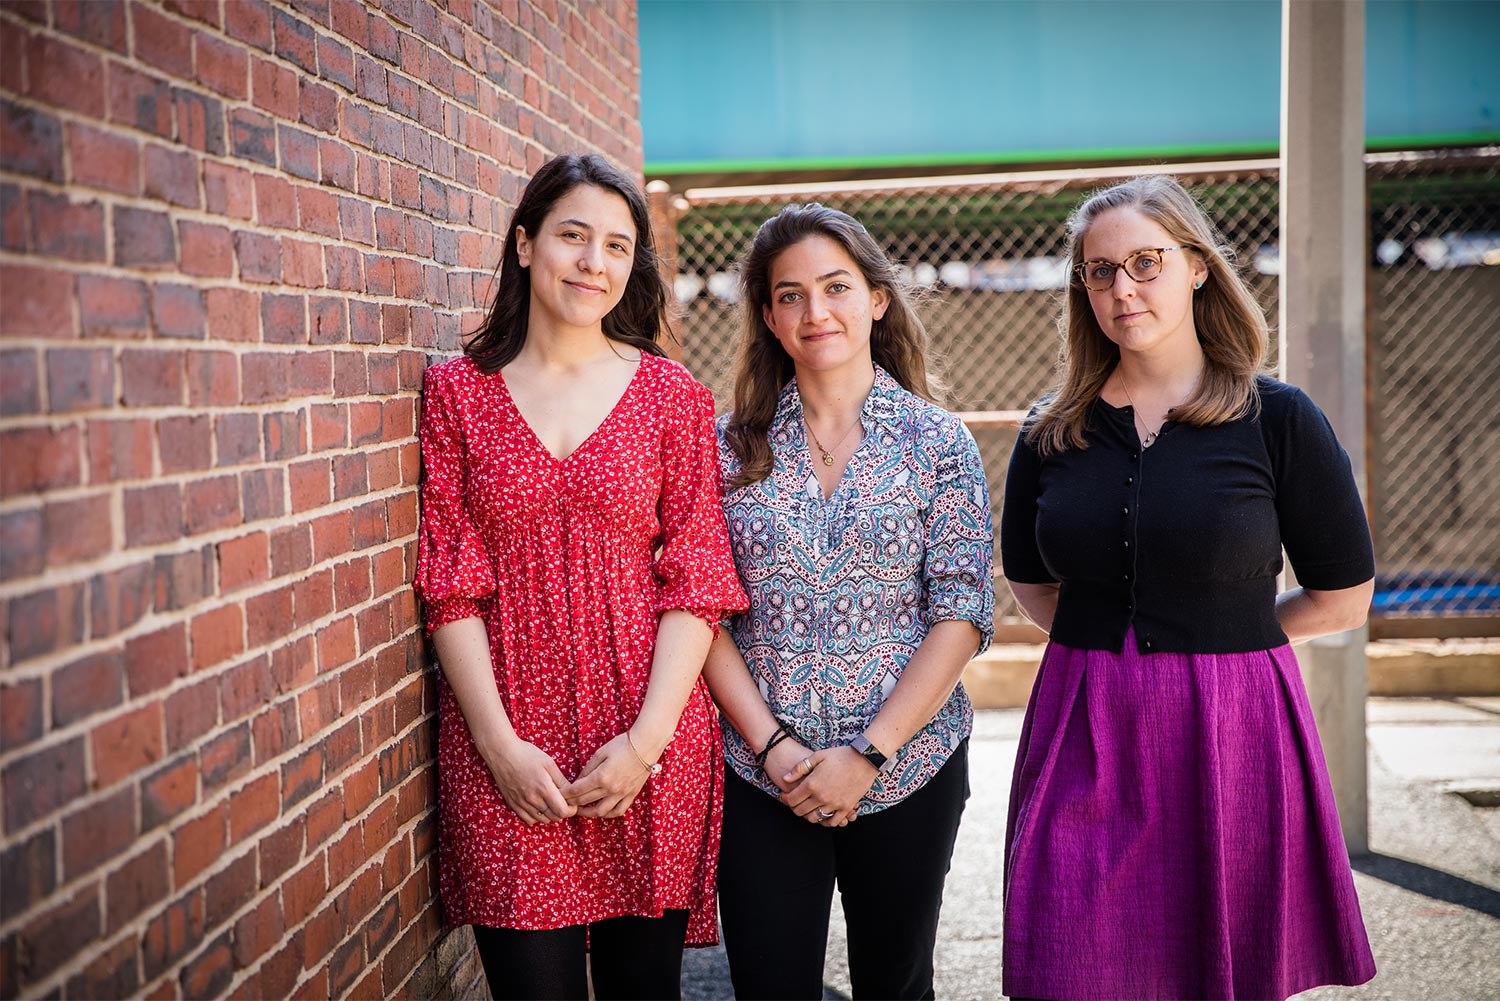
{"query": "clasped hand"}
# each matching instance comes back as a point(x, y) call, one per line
point(822, 787)
point(537, 791)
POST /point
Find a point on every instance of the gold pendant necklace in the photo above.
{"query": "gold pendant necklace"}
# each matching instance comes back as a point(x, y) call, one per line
point(827, 455)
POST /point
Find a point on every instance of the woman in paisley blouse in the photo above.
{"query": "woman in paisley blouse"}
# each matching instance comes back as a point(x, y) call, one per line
point(859, 518)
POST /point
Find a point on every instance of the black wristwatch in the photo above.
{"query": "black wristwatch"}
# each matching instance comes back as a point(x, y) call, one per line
point(872, 754)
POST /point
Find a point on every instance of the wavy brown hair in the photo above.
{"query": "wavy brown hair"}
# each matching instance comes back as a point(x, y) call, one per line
point(1231, 326)
point(898, 340)
point(641, 313)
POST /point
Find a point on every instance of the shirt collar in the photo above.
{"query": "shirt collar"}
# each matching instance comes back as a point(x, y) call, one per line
point(882, 406)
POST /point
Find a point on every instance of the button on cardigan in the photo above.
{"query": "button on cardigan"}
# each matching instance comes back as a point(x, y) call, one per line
point(1183, 540)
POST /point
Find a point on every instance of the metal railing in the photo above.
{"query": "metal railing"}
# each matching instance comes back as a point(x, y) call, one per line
point(988, 253)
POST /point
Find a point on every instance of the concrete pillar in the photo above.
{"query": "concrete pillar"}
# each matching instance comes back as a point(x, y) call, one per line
point(1322, 322)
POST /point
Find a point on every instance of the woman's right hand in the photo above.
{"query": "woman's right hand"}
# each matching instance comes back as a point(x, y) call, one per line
point(782, 759)
point(530, 782)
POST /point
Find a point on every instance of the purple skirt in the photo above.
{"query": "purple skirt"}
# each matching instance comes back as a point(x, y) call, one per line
point(1173, 834)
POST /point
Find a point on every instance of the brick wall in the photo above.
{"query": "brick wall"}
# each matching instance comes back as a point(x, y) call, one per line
point(234, 233)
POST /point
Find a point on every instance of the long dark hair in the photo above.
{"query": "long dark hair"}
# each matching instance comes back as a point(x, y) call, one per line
point(898, 340)
point(641, 314)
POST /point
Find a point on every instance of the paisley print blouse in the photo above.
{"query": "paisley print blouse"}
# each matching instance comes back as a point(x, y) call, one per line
point(843, 590)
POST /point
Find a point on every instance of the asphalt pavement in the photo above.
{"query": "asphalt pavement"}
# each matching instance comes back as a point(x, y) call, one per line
point(1429, 889)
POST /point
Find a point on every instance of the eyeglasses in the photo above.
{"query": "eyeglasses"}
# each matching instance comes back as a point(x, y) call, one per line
point(1142, 266)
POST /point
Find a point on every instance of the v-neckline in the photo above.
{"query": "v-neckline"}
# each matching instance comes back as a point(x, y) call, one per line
point(588, 438)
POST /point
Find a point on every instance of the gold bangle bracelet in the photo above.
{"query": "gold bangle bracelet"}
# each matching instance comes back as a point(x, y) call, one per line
point(652, 769)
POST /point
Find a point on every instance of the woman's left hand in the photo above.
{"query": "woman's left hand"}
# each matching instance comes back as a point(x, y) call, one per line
point(609, 782)
point(827, 785)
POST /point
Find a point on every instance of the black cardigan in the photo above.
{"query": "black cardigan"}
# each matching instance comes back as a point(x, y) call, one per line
point(1183, 540)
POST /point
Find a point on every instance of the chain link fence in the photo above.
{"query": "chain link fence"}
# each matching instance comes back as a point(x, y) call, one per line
point(987, 253)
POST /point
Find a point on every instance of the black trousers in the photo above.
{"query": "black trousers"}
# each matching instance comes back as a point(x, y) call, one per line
point(776, 878)
point(632, 957)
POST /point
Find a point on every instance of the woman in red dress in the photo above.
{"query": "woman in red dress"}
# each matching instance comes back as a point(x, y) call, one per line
point(573, 563)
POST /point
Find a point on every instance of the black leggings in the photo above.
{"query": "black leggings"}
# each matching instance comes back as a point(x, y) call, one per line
point(632, 957)
point(776, 878)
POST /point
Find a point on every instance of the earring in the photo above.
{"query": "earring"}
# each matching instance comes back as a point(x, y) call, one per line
point(1197, 286)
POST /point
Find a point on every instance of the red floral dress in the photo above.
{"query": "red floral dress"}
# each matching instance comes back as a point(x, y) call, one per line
point(570, 562)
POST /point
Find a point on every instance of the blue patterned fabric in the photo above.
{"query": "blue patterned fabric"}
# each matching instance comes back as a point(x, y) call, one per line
point(843, 591)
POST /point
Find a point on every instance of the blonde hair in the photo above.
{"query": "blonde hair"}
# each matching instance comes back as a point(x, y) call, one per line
point(1231, 326)
point(898, 340)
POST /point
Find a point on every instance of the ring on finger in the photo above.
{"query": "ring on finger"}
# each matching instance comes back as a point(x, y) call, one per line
point(827, 814)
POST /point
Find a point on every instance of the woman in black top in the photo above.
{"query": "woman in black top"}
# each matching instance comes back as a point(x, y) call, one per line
point(1172, 829)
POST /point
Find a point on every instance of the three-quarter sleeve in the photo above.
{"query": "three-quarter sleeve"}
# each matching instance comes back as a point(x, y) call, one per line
point(454, 569)
point(694, 566)
point(1323, 524)
point(959, 561)
point(1020, 557)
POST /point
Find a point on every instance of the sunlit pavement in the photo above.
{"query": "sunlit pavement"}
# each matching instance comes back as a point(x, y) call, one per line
point(1430, 890)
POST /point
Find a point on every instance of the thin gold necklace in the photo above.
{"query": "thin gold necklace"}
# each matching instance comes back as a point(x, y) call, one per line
point(827, 454)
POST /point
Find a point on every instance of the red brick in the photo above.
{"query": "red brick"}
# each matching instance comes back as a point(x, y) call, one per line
point(185, 443)
point(213, 378)
point(344, 267)
point(32, 140)
point(41, 783)
point(58, 935)
point(351, 583)
point(191, 712)
point(252, 136)
point(171, 175)
point(249, 21)
point(143, 238)
point(182, 579)
point(311, 484)
point(233, 314)
point(206, 250)
point(44, 621)
point(175, 930)
point(118, 599)
point(333, 535)
point(237, 439)
point(113, 973)
point(178, 311)
point(217, 636)
point(323, 931)
point(303, 891)
point(336, 162)
point(22, 546)
point(228, 890)
point(350, 377)
point(80, 379)
point(20, 385)
point(206, 11)
point(328, 324)
point(380, 275)
point(283, 318)
point(313, 374)
point(253, 807)
point(153, 514)
point(211, 504)
point(210, 972)
point(61, 227)
point(263, 376)
point(268, 615)
point(112, 306)
point(302, 263)
point(263, 493)
point(77, 530)
point(200, 125)
point(197, 844)
point(284, 434)
point(138, 99)
point(291, 550)
point(156, 659)
point(102, 24)
point(299, 152)
point(301, 776)
point(98, 833)
point(86, 686)
point(257, 931)
point(150, 378)
point(336, 644)
point(119, 450)
point(228, 190)
point(168, 792)
point(318, 106)
point(346, 855)
point(273, 88)
point(275, 202)
point(21, 716)
point(38, 301)
point(222, 66)
point(64, 75)
point(274, 730)
point(163, 42)
point(243, 561)
point(330, 425)
point(295, 40)
point(136, 886)
point(127, 744)
point(243, 689)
